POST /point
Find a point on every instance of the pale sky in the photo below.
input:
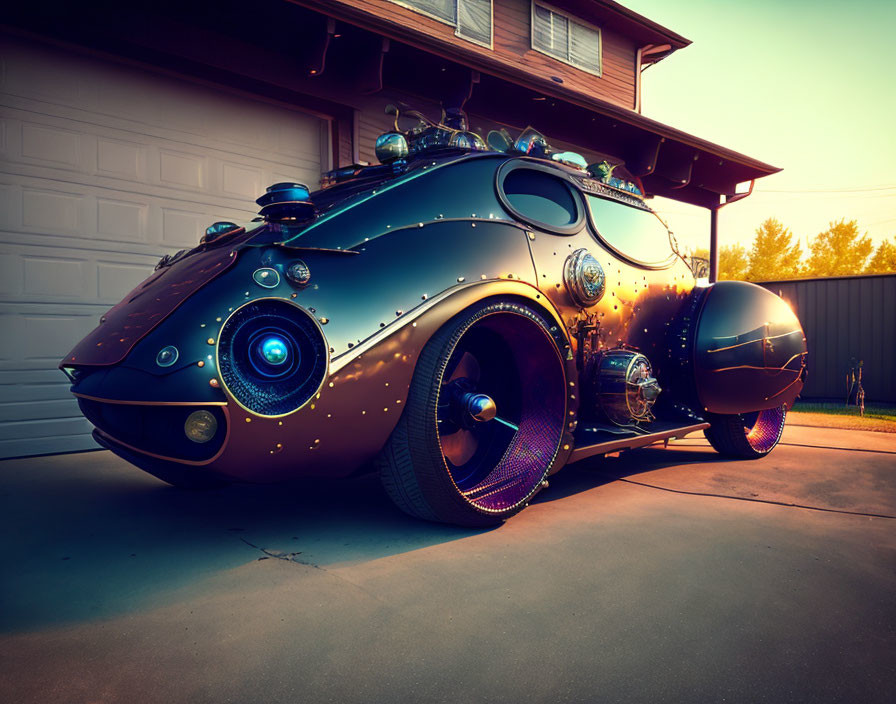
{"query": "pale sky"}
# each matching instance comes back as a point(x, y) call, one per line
point(804, 85)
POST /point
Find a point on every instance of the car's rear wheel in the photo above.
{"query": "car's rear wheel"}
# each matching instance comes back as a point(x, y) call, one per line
point(747, 435)
point(483, 421)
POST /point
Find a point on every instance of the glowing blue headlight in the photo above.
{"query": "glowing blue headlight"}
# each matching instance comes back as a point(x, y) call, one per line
point(274, 350)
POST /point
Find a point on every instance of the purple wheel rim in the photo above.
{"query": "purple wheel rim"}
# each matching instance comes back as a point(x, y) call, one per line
point(765, 431)
point(519, 367)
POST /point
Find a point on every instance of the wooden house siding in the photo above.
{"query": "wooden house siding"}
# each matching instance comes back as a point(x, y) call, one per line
point(373, 121)
point(512, 46)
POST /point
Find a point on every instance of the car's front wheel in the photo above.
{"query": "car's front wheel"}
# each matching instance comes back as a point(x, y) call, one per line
point(483, 421)
point(747, 435)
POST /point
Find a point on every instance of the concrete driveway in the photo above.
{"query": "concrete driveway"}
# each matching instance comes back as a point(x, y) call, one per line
point(663, 575)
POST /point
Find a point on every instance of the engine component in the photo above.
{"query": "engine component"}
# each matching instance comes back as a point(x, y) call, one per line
point(625, 387)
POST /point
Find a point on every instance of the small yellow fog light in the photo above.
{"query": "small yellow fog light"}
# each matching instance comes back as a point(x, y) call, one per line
point(200, 426)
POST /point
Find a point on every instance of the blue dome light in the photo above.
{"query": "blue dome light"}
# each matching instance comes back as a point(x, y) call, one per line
point(274, 350)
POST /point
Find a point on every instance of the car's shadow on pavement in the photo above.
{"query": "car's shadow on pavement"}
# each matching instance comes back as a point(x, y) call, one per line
point(596, 471)
point(89, 536)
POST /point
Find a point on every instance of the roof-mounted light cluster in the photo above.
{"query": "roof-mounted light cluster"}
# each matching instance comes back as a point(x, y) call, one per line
point(286, 203)
point(414, 134)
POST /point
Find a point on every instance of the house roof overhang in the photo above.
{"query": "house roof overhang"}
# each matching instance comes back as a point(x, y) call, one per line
point(612, 15)
point(670, 163)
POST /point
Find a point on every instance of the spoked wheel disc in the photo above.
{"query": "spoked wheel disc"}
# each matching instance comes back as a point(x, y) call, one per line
point(484, 418)
point(747, 435)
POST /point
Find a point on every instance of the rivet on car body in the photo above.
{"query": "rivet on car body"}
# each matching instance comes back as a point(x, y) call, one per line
point(211, 340)
point(214, 383)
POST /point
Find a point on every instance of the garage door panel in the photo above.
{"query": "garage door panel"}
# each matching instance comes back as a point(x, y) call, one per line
point(57, 278)
point(134, 163)
point(39, 430)
point(119, 219)
point(142, 103)
point(170, 173)
point(91, 216)
point(106, 167)
point(38, 339)
point(48, 445)
point(30, 409)
point(39, 274)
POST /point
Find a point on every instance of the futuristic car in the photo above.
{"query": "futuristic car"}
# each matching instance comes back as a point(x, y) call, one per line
point(466, 318)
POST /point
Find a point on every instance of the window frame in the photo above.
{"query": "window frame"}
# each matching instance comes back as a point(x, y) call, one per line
point(570, 18)
point(531, 165)
point(491, 41)
point(606, 244)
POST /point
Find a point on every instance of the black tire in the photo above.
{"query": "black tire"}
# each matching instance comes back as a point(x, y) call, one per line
point(746, 435)
point(440, 463)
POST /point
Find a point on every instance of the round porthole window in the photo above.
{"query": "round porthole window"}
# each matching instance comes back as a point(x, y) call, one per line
point(538, 196)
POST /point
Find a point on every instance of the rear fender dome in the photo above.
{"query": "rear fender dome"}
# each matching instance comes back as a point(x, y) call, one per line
point(750, 350)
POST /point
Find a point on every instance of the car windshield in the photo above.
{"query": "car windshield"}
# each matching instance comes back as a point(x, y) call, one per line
point(637, 234)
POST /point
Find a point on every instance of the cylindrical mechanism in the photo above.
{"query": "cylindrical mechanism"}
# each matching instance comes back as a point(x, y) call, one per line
point(625, 387)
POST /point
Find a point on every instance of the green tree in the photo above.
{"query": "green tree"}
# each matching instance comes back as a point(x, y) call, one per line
point(839, 250)
point(774, 254)
point(884, 259)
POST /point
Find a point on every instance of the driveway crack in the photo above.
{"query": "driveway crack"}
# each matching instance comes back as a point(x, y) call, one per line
point(277, 555)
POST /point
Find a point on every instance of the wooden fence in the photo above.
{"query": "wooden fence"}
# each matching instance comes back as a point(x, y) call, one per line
point(846, 318)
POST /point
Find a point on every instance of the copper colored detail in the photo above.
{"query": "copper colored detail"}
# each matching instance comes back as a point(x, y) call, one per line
point(150, 403)
point(214, 383)
point(362, 375)
point(194, 463)
point(148, 305)
point(605, 448)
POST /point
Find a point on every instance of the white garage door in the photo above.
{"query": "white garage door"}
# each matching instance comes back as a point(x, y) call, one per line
point(103, 168)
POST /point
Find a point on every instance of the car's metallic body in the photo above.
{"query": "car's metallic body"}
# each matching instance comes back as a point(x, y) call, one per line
point(389, 259)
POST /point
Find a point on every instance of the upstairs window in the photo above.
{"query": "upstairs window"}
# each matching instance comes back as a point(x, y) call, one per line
point(471, 19)
point(563, 37)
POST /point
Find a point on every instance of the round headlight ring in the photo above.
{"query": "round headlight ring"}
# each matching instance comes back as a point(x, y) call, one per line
point(272, 356)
